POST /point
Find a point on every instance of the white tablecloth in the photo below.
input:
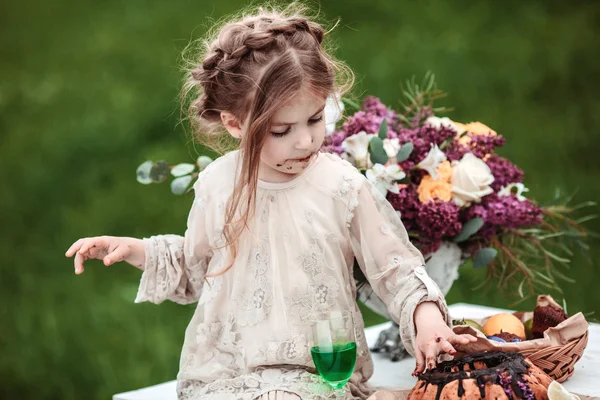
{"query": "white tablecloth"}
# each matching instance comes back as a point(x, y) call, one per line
point(387, 374)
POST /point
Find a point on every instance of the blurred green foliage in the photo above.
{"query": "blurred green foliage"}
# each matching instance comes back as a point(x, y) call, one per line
point(89, 91)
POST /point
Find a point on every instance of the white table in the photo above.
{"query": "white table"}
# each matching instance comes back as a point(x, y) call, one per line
point(584, 380)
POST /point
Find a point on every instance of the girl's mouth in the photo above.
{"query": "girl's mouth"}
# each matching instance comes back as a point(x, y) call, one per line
point(303, 160)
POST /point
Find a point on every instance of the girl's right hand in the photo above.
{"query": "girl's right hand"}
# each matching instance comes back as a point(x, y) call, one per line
point(109, 249)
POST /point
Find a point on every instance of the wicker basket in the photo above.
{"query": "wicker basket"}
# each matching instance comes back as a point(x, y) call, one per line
point(555, 354)
point(558, 361)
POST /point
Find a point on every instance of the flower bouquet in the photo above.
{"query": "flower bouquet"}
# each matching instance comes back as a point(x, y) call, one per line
point(448, 184)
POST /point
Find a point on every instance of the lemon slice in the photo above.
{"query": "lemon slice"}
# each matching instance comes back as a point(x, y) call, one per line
point(556, 391)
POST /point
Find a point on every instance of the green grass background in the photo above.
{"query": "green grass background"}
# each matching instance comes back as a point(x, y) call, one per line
point(88, 91)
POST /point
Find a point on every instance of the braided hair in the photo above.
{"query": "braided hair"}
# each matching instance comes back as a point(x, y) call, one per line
point(253, 66)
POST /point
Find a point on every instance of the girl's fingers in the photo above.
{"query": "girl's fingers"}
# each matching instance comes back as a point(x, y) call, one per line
point(431, 355)
point(420, 367)
point(87, 245)
point(462, 339)
point(119, 254)
point(79, 259)
point(74, 247)
point(445, 346)
point(94, 252)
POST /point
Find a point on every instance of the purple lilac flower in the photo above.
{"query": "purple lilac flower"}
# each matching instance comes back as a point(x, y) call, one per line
point(422, 139)
point(407, 203)
point(437, 219)
point(333, 143)
point(505, 382)
point(504, 171)
point(362, 121)
point(509, 212)
point(480, 146)
point(370, 117)
point(527, 392)
point(373, 105)
point(421, 116)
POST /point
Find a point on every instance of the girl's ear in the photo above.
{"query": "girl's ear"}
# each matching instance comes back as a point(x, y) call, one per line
point(231, 123)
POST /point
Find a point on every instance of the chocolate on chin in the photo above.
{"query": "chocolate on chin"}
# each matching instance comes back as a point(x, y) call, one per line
point(487, 375)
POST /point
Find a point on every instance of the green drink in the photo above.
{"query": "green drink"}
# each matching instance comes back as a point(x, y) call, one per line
point(335, 363)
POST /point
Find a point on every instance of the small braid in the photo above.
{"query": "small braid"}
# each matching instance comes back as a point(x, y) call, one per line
point(219, 60)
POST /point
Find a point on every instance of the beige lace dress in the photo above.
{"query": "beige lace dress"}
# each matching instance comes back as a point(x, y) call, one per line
point(250, 334)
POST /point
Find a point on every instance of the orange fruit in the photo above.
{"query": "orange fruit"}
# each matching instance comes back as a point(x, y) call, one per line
point(504, 322)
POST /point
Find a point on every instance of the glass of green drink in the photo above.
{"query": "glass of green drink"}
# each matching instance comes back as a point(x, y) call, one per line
point(334, 348)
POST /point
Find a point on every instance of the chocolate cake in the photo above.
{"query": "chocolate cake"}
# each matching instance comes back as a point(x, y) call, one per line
point(488, 375)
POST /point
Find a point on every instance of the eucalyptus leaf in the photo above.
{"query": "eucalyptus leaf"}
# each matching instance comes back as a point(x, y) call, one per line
point(179, 185)
point(378, 153)
point(182, 169)
point(469, 229)
point(383, 129)
point(203, 162)
point(143, 173)
point(160, 171)
point(484, 257)
point(405, 151)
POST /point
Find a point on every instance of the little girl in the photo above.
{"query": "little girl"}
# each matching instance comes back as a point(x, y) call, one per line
point(275, 226)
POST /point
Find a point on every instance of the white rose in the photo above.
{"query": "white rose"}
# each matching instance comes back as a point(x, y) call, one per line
point(471, 180)
point(433, 159)
point(507, 190)
point(391, 147)
point(437, 123)
point(384, 177)
point(357, 146)
point(334, 108)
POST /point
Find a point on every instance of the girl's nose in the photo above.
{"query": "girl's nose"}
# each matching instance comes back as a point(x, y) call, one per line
point(305, 140)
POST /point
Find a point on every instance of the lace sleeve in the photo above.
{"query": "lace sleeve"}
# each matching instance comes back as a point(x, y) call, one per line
point(393, 266)
point(176, 265)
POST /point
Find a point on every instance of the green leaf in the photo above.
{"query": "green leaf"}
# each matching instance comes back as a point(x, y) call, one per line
point(469, 229)
point(182, 169)
point(405, 151)
point(203, 162)
point(383, 129)
point(378, 154)
point(143, 173)
point(179, 185)
point(351, 103)
point(160, 171)
point(484, 257)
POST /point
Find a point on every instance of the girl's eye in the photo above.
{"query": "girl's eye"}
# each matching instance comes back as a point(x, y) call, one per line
point(280, 134)
point(314, 121)
point(310, 122)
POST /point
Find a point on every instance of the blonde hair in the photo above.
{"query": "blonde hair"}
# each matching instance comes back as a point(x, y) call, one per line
point(251, 67)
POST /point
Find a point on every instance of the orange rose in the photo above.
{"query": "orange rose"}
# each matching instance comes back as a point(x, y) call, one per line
point(444, 170)
point(430, 189)
point(475, 128)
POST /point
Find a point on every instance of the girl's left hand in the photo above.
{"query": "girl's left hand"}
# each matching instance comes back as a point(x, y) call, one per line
point(433, 340)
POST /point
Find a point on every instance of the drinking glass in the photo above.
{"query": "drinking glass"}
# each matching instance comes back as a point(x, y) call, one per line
point(334, 349)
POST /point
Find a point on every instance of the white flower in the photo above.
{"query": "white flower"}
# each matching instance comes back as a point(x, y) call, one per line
point(357, 146)
point(433, 159)
point(334, 108)
point(383, 178)
point(507, 190)
point(437, 123)
point(471, 180)
point(391, 147)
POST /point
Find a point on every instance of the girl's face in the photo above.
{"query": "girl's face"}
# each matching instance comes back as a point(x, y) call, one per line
point(296, 134)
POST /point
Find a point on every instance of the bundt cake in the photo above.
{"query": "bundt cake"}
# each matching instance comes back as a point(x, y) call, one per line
point(488, 375)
